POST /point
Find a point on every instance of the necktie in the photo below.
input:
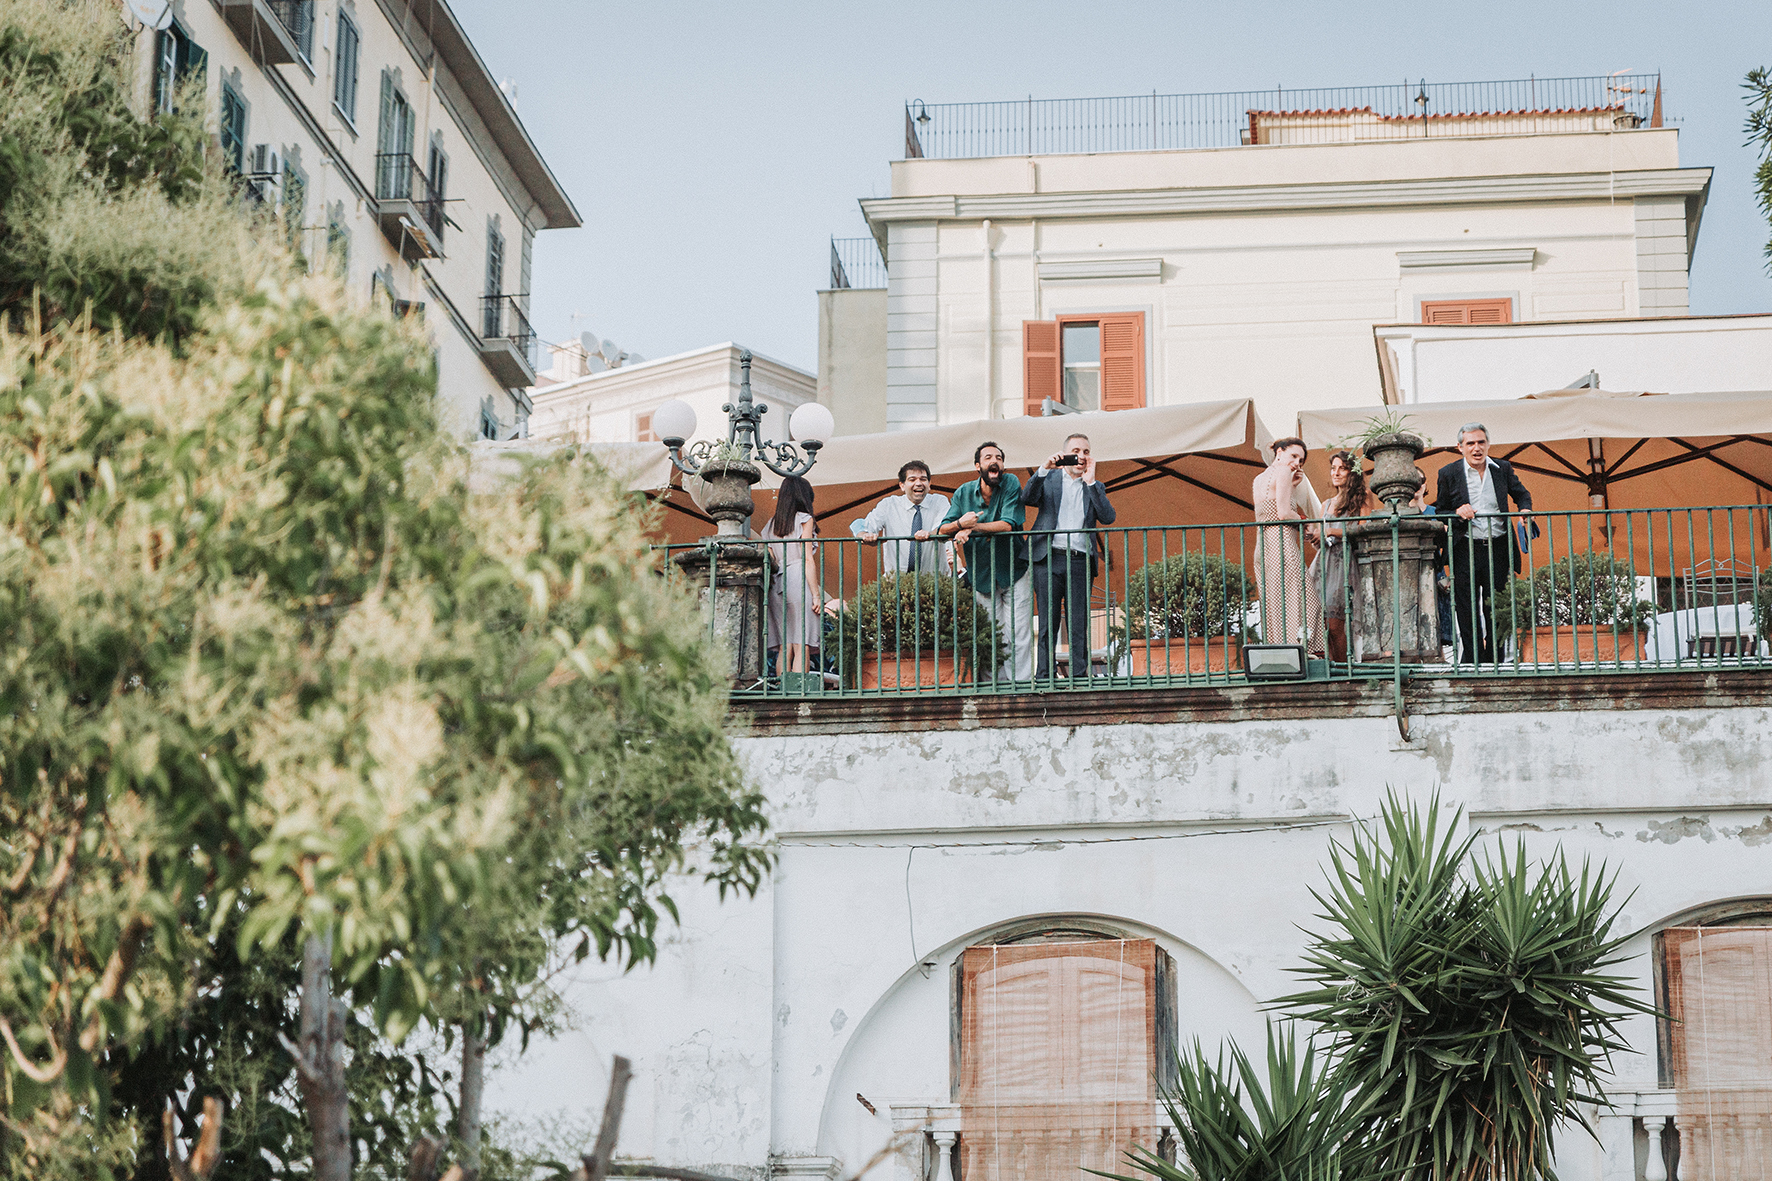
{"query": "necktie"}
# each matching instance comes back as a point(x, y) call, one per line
point(916, 546)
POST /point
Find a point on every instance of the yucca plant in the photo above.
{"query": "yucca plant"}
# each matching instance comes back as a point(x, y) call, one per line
point(1234, 1124)
point(1469, 1005)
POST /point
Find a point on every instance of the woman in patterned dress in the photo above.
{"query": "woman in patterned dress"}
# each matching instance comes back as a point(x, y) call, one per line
point(1291, 610)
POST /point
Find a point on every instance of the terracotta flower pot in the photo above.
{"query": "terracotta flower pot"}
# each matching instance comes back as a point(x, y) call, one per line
point(911, 670)
point(1582, 645)
point(1191, 656)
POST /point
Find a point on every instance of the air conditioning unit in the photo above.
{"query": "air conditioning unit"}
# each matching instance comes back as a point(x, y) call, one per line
point(265, 162)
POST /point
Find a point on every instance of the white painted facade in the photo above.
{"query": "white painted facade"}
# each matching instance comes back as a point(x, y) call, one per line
point(764, 1019)
point(1261, 270)
point(1667, 355)
point(614, 405)
point(496, 181)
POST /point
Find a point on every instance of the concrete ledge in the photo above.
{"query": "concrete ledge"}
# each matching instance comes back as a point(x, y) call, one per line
point(1425, 695)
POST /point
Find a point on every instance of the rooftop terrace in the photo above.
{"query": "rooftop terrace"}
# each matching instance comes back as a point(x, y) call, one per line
point(1169, 122)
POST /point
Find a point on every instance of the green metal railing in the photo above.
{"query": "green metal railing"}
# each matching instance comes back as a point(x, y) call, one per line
point(1595, 591)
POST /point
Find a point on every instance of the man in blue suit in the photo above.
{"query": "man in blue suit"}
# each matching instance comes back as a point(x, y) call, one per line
point(1475, 491)
point(1066, 549)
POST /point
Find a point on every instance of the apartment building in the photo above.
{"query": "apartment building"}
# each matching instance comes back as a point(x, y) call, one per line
point(382, 139)
point(1115, 253)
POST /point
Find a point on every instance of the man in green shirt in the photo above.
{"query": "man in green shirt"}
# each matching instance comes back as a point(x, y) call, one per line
point(986, 519)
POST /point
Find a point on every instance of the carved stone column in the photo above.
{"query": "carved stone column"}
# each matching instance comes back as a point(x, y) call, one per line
point(1397, 599)
point(728, 572)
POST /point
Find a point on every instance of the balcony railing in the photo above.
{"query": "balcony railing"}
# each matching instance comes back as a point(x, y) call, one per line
point(1641, 591)
point(400, 184)
point(1155, 122)
point(298, 17)
point(502, 318)
point(856, 262)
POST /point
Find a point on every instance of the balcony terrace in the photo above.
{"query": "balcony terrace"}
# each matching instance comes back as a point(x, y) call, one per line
point(1170, 122)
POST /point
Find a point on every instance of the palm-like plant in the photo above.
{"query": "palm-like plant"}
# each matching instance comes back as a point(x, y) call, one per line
point(1469, 1006)
point(1235, 1125)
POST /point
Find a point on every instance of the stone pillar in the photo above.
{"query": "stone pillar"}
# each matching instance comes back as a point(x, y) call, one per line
point(1382, 587)
point(728, 572)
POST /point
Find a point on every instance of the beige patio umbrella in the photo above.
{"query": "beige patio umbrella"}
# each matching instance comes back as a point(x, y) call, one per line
point(1625, 453)
point(1163, 466)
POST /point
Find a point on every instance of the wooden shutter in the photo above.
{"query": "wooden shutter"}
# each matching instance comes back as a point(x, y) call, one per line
point(384, 132)
point(1468, 311)
point(1122, 361)
point(1039, 364)
point(1719, 991)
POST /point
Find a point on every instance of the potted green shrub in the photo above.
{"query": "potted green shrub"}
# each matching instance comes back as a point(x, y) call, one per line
point(1184, 615)
point(915, 631)
point(1580, 608)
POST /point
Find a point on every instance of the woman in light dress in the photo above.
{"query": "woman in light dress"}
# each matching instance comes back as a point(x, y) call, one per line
point(1291, 612)
point(1331, 572)
point(796, 600)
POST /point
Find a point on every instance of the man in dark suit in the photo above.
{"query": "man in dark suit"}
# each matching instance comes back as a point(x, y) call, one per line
point(1066, 548)
point(1474, 490)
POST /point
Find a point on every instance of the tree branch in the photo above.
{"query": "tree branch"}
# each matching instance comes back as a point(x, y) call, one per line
point(201, 1163)
point(42, 1074)
point(117, 972)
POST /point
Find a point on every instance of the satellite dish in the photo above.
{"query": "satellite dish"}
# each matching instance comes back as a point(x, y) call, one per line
point(594, 364)
point(156, 14)
point(632, 359)
point(610, 350)
point(589, 341)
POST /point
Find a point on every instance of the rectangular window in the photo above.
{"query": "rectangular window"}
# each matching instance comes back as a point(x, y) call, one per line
point(295, 203)
point(495, 276)
point(1058, 1056)
point(1467, 311)
point(338, 244)
point(1084, 362)
point(344, 70)
point(233, 129)
point(176, 58)
point(393, 139)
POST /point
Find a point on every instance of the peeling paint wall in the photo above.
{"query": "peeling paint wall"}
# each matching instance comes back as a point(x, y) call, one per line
point(764, 1019)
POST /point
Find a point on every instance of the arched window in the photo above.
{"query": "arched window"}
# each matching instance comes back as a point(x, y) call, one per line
point(1063, 1036)
point(1715, 985)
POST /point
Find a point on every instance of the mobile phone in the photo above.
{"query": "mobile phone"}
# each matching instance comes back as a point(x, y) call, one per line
point(1068, 460)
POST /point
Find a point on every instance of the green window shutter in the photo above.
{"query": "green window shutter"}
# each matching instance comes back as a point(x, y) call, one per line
point(385, 133)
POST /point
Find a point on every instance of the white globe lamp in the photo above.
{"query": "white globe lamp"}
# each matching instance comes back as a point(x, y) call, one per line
point(674, 422)
point(812, 423)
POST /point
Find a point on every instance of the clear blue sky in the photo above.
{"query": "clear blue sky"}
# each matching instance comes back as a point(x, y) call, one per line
point(713, 148)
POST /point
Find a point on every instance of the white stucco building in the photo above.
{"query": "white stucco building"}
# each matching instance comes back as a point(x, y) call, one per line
point(616, 405)
point(378, 133)
point(1665, 354)
point(1100, 265)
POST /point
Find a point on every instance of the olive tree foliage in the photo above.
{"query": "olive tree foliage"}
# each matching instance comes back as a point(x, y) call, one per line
point(268, 670)
point(1759, 135)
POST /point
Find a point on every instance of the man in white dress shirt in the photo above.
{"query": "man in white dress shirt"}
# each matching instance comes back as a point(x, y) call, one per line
point(1476, 491)
point(915, 512)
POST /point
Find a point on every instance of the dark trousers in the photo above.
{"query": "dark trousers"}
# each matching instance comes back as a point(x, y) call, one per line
point(1478, 564)
point(1061, 585)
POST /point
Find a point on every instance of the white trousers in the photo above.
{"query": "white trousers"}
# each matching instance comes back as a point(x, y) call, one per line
point(1012, 607)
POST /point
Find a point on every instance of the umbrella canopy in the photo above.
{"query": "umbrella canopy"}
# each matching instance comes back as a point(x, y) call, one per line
point(1167, 465)
point(1579, 450)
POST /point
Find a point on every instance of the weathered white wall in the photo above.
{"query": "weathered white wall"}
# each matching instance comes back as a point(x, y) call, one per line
point(1262, 270)
point(852, 358)
point(1205, 836)
point(1676, 355)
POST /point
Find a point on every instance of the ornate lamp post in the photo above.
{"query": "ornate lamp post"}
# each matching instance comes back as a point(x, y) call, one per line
point(728, 567)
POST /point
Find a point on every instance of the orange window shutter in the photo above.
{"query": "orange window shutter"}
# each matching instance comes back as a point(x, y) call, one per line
point(1039, 364)
point(1468, 311)
point(1122, 361)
